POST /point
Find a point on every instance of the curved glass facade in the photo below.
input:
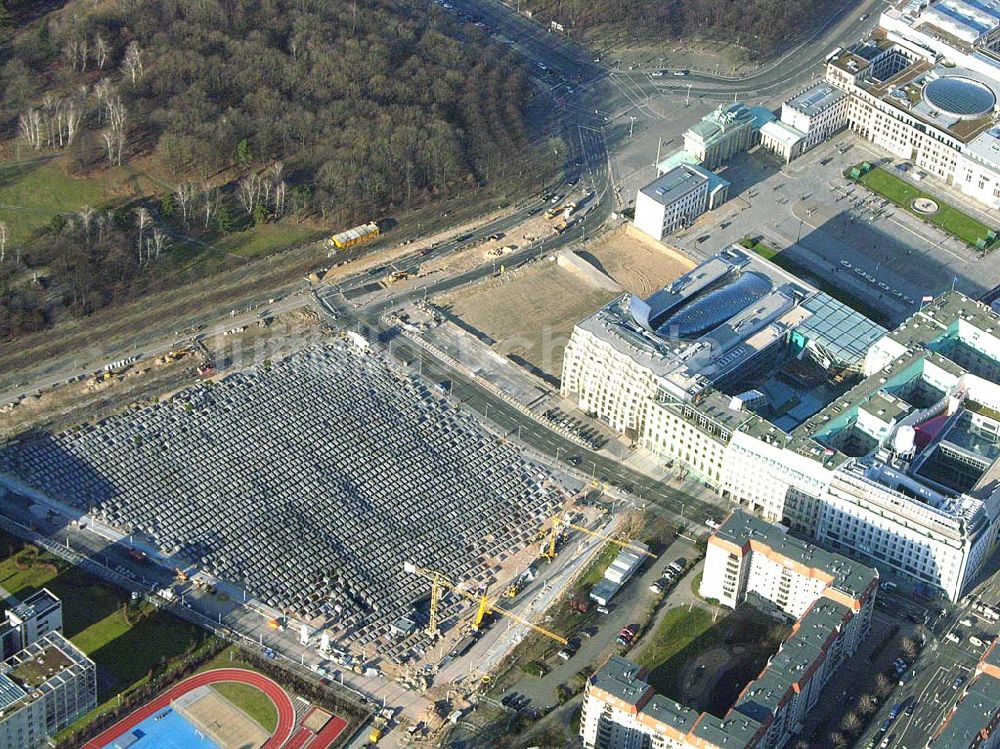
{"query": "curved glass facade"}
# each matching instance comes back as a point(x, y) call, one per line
point(709, 311)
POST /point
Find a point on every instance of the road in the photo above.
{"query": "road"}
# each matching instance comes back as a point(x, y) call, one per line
point(940, 662)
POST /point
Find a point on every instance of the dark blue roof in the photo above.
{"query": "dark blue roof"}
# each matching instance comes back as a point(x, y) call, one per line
point(709, 311)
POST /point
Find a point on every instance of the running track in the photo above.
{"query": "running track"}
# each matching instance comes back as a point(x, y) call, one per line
point(277, 695)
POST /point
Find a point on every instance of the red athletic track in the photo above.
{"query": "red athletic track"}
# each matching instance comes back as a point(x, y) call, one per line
point(277, 695)
point(299, 739)
point(328, 734)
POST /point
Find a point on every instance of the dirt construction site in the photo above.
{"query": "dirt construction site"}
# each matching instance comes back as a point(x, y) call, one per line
point(529, 313)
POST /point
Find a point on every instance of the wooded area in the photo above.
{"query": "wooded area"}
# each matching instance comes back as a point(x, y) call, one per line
point(343, 111)
point(759, 26)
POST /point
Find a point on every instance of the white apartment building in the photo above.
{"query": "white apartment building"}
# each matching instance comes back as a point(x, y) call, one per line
point(30, 620)
point(43, 689)
point(928, 97)
point(748, 556)
point(671, 201)
point(830, 597)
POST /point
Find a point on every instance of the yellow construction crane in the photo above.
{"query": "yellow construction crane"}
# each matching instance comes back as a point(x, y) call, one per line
point(550, 547)
point(439, 584)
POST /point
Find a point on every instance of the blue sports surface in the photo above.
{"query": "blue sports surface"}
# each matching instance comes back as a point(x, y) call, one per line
point(169, 732)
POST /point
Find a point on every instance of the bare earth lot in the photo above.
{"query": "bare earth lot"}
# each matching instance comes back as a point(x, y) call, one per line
point(530, 312)
point(637, 262)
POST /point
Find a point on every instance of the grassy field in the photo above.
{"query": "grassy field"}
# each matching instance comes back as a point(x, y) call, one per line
point(675, 632)
point(253, 702)
point(903, 194)
point(125, 647)
point(267, 238)
point(737, 645)
point(248, 699)
point(31, 193)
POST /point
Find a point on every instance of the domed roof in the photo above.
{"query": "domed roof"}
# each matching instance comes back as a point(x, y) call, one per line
point(959, 96)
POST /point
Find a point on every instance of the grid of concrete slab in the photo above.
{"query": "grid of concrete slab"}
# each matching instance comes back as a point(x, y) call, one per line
point(309, 481)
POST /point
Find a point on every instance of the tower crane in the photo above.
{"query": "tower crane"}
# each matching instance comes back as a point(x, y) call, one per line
point(439, 584)
point(550, 546)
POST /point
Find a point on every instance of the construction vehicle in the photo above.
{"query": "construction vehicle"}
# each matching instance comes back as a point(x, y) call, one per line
point(181, 575)
point(394, 277)
point(561, 227)
point(553, 211)
point(379, 724)
point(549, 548)
point(439, 584)
point(513, 589)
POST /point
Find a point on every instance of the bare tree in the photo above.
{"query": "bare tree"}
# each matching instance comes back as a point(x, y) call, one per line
point(210, 201)
point(909, 648)
point(114, 134)
point(882, 685)
point(32, 126)
point(142, 220)
point(184, 193)
point(132, 62)
point(280, 191)
point(104, 91)
point(86, 215)
point(158, 242)
point(249, 192)
point(851, 723)
point(100, 51)
point(73, 115)
point(101, 221)
point(867, 704)
point(838, 740)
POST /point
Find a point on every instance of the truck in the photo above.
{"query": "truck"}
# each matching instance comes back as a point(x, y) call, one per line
point(379, 725)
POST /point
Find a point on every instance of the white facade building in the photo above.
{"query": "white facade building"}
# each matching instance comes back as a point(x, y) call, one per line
point(671, 201)
point(926, 88)
point(902, 470)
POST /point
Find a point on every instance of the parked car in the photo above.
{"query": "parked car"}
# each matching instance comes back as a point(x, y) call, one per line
point(959, 681)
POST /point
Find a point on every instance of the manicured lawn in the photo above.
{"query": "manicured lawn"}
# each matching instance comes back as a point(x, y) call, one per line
point(252, 701)
point(595, 572)
point(32, 193)
point(903, 194)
